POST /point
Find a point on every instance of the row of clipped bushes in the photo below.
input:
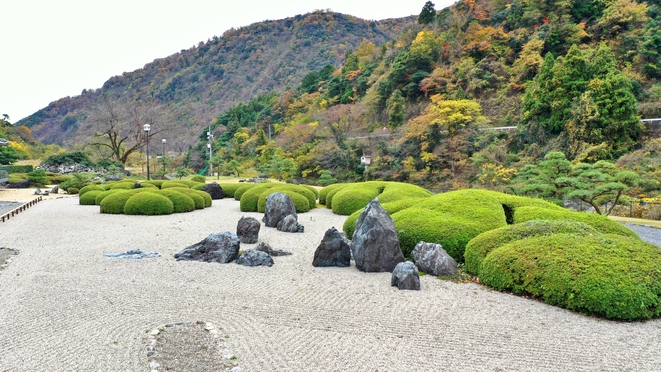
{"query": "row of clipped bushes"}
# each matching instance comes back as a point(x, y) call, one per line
point(151, 198)
point(347, 198)
point(252, 197)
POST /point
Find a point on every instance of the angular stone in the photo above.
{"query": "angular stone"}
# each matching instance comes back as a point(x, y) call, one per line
point(405, 276)
point(265, 247)
point(214, 190)
point(334, 250)
point(253, 257)
point(375, 244)
point(247, 229)
point(432, 259)
point(278, 206)
point(220, 247)
point(290, 224)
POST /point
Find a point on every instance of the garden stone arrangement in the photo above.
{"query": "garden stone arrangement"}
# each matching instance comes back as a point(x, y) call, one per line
point(220, 247)
point(334, 250)
point(405, 276)
point(247, 229)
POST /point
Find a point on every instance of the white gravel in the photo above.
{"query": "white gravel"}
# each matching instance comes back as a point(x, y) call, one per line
point(66, 307)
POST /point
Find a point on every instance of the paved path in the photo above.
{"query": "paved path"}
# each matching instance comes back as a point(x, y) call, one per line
point(66, 307)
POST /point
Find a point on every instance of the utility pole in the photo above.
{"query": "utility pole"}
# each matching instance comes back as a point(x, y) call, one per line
point(210, 146)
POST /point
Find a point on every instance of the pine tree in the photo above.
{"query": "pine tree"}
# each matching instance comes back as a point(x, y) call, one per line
point(427, 14)
point(397, 109)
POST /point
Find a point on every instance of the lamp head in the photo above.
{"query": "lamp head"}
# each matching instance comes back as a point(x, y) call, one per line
point(146, 127)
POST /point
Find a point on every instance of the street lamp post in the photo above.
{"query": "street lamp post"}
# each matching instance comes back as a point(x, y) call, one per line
point(163, 141)
point(147, 128)
point(210, 147)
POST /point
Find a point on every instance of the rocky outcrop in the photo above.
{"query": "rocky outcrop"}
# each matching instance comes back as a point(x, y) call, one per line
point(375, 244)
point(266, 248)
point(405, 276)
point(290, 224)
point(334, 250)
point(214, 190)
point(253, 257)
point(432, 259)
point(247, 229)
point(278, 206)
point(22, 184)
point(220, 247)
point(133, 254)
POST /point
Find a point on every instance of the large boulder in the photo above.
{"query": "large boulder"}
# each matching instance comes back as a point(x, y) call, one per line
point(247, 229)
point(220, 247)
point(266, 248)
point(432, 259)
point(214, 190)
point(375, 245)
point(278, 206)
point(334, 250)
point(253, 257)
point(22, 184)
point(290, 224)
point(405, 276)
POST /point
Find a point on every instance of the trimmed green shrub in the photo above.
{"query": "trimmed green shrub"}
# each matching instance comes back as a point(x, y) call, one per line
point(350, 199)
point(238, 193)
point(188, 183)
point(601, 223)
point(198, 178)
point(56, 178)
point(182, 203)
point(156, 183)
point(396, 191)
point(115, 202)
point(89, 198)
point(392, 207)
point(90, 188)
point(331, 193)
point(148, 203)
point(121, 185)
point(170, 184)
point(37, 177)
point(146, 185)
point(480, 246)
point(606, 275)
point(15, 177)
point(193, 194)
point(205, 195)
point(20, 168)
point(103, 194)
point(73, 190)
point(229, 189)
point(301, 203)
point(250, 199)
point(199, 186)
point(324, 192)
point(314, 190)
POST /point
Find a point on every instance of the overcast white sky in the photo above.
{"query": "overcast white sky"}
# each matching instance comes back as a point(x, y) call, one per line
point(53, 49)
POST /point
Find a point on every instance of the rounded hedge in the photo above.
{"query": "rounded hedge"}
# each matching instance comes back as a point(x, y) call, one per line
point(156, 183)
point(121, 185)
point(238, 193)
point(301, 203)
point(193, 194)
point(314, 190)
point(148, 203)
point(89, 197)
point(205, 195)
point(147, 185)
point(601, 223)
point(182, 203)
point(199, 179)
point(87, 188)
point(250, 199)
point(72, 190)
point(102, 195)
point(606, 275)
point(392, 207)
point(115, 202)
point(170, 184)
point(356, 196)
point(323, 193)
point(480, 246)
point(229, 189)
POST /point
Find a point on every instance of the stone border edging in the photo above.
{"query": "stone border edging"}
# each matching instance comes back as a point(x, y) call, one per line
point(20, 209)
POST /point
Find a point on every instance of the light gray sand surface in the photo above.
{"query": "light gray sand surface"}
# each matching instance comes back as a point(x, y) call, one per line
point(66, 307)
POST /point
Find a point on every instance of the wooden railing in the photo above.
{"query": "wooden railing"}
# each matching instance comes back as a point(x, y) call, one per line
point(19, 209)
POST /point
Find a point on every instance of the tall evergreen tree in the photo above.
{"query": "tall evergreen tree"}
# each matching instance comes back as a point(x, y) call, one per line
point(397, 107)
point(427, 14)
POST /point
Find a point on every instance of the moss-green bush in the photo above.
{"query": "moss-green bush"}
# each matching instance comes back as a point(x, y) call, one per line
point(148, 203)
point(205, 195)
point(89, 197)
point(170, 184)
point(103, 194)
point(156, 183)
point(72, 190)
point(605, 275)
point(146, 185)
point(601, 223)
point(301, 203)
point(199, 179)
point(238, 193)
point(197, 198)
point(199, 186)
point(87, 188)
point(250, 199)
point(56, 178)
point(115, 202)
point(323, 193)
point(181, 202)
point(122, 185)
point(331, 193)
point(188, 183)
point(480, 246)
point(355, 196)
point(392, 207)
point(314, 190)
point(229, 189)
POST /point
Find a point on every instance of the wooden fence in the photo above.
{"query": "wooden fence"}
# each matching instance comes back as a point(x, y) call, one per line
point(19, 209)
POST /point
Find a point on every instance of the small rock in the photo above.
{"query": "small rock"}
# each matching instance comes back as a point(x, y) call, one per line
point(278, 206)
point(432, 259)
point(333, 250)
point(265, 247)
point(247, 229)
point(220, 247)
point(290, 224)
point(252, 257)
point(405, 276)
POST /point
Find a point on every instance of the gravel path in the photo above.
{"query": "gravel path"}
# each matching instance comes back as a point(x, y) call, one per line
point(65, 307)
point(649, 234)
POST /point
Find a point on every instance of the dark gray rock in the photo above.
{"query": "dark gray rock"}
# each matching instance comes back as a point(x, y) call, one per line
point(432, 259)
point(137, 185)
point(375, 245)
point(266, 248)
point(334, 250)
point(214, 190)
point(219, 247)
point(114, 177)
point(22, 184)
point(133, 254)
point(405, 276)
point(37, 192)
point(278, 206)
point(290, 224)
point(253, 257)
point(55, 190)
point(247, 229)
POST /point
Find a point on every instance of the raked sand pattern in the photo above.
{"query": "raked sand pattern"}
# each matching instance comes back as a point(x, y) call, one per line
point(66, 307)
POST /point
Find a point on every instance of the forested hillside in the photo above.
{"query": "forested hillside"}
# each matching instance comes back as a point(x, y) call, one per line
point(573, 77)
point(191, 87)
